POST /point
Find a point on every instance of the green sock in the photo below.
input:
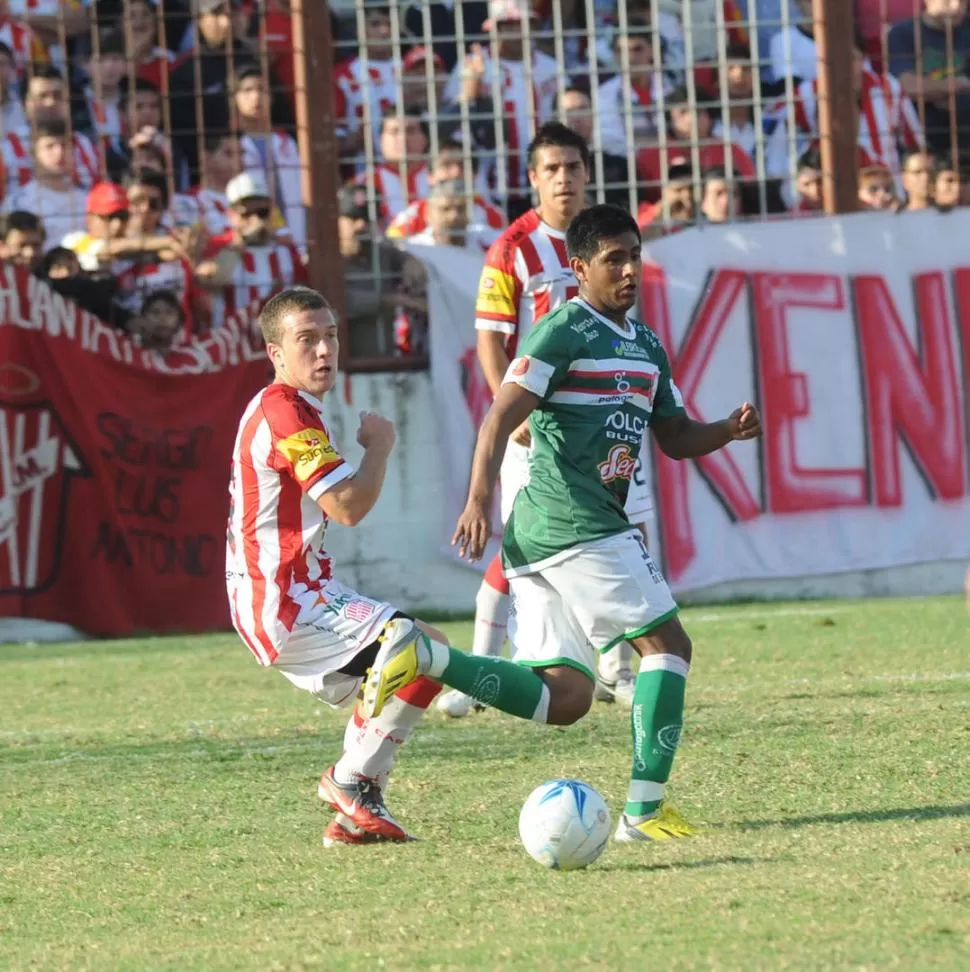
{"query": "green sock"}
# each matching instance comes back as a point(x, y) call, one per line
point(657, 718)
point(497, 682)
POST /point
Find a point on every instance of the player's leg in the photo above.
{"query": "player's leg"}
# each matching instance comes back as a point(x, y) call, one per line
point(491, 624)
point(618, 593)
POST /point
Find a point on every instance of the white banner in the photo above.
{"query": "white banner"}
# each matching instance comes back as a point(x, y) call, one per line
point(853, 338)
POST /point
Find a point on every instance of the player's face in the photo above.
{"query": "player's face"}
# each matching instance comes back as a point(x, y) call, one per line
point(612, 277)
point(559, 177)
point(306, 357)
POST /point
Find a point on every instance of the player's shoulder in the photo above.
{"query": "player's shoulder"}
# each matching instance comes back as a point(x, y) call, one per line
point(569, 323)
point(502, 252)
point(645, 337)
point(280, 404)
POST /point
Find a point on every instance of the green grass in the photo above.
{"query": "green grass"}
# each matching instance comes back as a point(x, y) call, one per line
point(158, 811)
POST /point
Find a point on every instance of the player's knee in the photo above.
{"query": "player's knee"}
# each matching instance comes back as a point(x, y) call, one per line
point(568, 703)
point(669, 638)
point(432, 632)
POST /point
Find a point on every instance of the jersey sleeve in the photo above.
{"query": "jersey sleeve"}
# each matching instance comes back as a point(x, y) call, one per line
point(499, 291)
point(543, 361)
point(667, 400)
point(301, 446)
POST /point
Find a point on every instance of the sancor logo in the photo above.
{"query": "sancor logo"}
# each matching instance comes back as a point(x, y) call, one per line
point(619, 464)
point(520, 367)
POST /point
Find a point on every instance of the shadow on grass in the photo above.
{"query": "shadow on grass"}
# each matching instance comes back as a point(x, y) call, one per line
point(115, 649)
point(863, 816)
point(679, 865)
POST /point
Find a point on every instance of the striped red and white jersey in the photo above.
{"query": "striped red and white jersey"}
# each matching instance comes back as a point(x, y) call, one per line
point(282, 463)
point(524, 106)
point(487, 220)
point(26, 46)
point(260, 273)
point(354, 87)
point(887, 120)
point(18, 162)
point(199, 205)
point(526, 276)
point(396, 190)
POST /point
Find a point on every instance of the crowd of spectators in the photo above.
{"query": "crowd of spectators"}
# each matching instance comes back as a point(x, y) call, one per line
point(149, 165)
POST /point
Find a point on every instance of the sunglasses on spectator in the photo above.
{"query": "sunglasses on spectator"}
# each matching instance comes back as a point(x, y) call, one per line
point(121, 214)
point(254, 212)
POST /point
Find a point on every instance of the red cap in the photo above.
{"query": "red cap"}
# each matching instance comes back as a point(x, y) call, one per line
point(106, 198)
point(418, 56)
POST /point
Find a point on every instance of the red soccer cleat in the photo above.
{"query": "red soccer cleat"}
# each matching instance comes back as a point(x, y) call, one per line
point(341, 830)
point(362, 804)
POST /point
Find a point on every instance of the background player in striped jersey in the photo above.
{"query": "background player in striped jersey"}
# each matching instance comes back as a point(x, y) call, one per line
point(527, 275)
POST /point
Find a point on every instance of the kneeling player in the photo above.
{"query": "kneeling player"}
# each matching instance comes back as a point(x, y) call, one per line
point(581, 577)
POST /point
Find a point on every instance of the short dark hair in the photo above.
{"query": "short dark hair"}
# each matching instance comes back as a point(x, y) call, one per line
point(164, 295)
point(736, 51)
point(110, 41)
point(213, 138)
point(286, 302)
point(810, 159)
point(59, 254)
point(570, 89)
point(716, 173)
point(20, 221)
point(39, 72)
point(454, 144)
point(143, 176)
point(48, 128)
point(594, 224)
point(555, 134)
point(944, 163)
point(245, 70)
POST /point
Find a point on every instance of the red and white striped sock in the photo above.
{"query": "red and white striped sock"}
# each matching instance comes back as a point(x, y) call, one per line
point(491, 611)
point(371, 745)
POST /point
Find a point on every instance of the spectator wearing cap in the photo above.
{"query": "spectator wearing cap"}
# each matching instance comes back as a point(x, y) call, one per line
point(919, 174)
point(930, 55)
point(22, 240)
point(12, 117)
point(221, 45)
point(102, 242)
point(683, 121)
point(416, 89)
point(646, 84)
point(876, 188)
point(52, 193)
point(45, 99)
point(674, 210)
point(526, 93)
point(251, 262)
point(401, 177)
point(487, 221)
point(272, 152)
point(362, 86)
point(385, 289)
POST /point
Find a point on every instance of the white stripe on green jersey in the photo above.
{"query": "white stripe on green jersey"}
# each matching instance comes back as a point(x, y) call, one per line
point(600, 387)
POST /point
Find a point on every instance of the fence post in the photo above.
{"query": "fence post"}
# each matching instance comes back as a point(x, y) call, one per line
point(313, 72)
point(837, 105)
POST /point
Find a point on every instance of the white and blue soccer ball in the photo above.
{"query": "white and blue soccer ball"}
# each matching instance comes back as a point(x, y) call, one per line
point(564, 825)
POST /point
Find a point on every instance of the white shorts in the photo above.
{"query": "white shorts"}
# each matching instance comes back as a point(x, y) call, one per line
point(514, 475)
point(327, 636)
point(608, 591)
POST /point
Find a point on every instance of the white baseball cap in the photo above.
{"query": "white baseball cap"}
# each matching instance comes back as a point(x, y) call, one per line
point(247, 185)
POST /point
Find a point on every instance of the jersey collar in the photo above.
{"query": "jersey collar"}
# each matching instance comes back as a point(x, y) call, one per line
point(629, 333)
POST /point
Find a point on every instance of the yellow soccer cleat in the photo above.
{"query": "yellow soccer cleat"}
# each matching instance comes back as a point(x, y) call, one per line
point(395, 666)
point(668, 824)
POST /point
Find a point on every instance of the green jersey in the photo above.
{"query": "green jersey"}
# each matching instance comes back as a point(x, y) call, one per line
point(600, 386)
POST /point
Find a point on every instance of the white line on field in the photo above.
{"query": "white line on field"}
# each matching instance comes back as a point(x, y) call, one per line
point(702, 617)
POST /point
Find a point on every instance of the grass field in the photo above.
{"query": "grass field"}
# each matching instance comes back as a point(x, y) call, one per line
point(158, 811)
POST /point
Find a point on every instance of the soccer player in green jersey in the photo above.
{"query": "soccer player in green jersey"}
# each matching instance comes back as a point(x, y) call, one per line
point(589, 378)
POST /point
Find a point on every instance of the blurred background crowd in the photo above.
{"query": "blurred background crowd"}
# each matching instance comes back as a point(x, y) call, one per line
point(153, 152)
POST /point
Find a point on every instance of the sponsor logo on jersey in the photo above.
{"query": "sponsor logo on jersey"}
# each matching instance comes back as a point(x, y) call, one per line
point(629, 349)
point(309, 450)
point(622, 426)
point(520, 367)
point(496, 293)
point(619, 464)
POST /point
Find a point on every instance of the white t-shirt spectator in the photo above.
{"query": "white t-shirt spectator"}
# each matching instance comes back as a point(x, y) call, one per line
point(793, 52)
point(62, 212)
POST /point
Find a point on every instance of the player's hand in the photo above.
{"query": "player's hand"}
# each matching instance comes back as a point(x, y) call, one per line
point(473, 530)
point(522, 435)
point(744, 423)
point(376, 432)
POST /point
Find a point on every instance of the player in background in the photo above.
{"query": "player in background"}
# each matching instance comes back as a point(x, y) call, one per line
point(527, 275)
point(582, 579)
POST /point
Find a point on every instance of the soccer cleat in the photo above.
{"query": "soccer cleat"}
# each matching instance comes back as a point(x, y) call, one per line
point(361, 802)
point(342, 830)
point(603, 690)
point(668, 824)
point(623, 690)
point(395, 666)
point(457, 705)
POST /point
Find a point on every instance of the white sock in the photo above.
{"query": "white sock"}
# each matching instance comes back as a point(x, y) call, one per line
point(491, 621)
point(371, 745)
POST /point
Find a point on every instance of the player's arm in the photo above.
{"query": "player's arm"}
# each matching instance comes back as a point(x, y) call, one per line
point(681, 437)
point(351, 499)
point(512, 407)
point(497, 312)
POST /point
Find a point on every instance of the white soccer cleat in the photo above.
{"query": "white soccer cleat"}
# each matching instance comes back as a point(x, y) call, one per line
point(623, 690)
point(457, 705)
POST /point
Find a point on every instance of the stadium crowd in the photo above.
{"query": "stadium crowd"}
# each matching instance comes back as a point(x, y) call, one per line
point(149, 166)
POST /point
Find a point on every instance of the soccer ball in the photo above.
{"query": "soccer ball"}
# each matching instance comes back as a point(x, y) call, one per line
point(565, 825)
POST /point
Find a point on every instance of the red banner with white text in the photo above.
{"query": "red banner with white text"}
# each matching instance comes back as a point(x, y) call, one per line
point(852, 336)
point(114, 467)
